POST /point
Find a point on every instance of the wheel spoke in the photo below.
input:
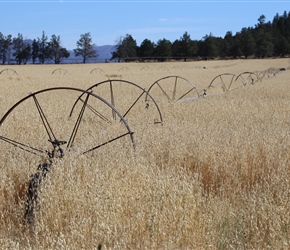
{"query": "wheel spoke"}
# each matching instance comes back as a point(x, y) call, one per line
point(174, 90)
point(105, 143)
point(44, 120)
point(22, 146)
point(223, 84)
point(163, 91)
point(186, 93)
point(97, 112)
point(77, 124)
point(133, 104)
point(112, 100)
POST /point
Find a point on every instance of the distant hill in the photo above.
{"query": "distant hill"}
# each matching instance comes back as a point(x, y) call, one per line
point(104, 55)
point(105, 52)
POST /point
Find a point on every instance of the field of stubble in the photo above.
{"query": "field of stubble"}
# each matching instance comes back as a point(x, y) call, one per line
point(215, 175)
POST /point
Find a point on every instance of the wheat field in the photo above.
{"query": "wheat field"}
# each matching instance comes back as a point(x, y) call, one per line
point(214, 175)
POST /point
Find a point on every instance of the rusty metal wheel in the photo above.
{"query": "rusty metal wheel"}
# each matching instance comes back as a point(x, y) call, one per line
point(248, 77)
point(40, 123)
point(223, 83)
point(126, 96)
point(59, 71)
point(173, 89)
point(97, 71)
point(8, 72)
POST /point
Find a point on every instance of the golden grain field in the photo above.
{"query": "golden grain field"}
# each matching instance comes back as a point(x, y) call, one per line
point(214, 175)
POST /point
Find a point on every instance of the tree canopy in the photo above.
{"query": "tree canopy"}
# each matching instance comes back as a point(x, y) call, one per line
point(56, 51)
point(126, 48)
point(85, 47)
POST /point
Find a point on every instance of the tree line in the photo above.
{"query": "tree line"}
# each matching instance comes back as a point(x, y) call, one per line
point(265, 39)
point(20, 51)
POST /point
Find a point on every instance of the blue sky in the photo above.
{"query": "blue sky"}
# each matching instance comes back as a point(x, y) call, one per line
point(108, 21)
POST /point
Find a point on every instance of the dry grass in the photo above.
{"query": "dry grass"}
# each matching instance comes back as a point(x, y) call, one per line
point(215, 176)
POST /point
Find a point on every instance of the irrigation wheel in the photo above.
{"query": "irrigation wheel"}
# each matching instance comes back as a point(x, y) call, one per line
point(97, 70)
point(40, 123)
point(59, 71)
point(174, 89)
point(248, 77)
point(269, 73)
point(126, 96)
point(9, 72)
point(223, 83)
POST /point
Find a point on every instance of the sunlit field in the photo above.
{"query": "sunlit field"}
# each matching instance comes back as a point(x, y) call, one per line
point(210, 170)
